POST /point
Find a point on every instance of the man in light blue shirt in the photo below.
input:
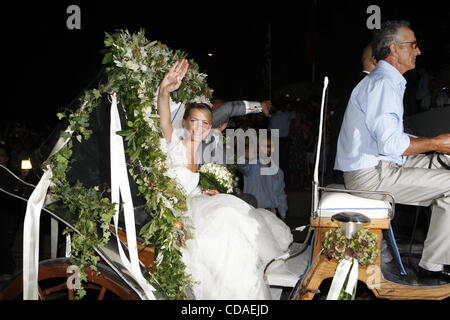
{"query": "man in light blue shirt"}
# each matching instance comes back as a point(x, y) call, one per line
point(372, 129)
point(376, 154)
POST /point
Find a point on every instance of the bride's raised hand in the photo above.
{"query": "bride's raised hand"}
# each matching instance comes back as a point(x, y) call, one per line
point(172, 80)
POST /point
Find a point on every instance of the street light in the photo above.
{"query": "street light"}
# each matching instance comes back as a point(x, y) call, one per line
point(26, 165)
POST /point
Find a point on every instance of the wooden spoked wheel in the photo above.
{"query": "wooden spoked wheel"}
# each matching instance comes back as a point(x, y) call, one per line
point(53, 279)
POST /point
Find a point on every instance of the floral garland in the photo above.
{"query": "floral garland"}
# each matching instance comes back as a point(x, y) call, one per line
point(363, 246)
point(135, 69)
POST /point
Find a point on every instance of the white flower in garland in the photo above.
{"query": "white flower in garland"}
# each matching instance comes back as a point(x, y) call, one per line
point(128, 53)
point(151, 119)
point(171, 173)
point(163, 145)
point(166, 202)
point(131, 65)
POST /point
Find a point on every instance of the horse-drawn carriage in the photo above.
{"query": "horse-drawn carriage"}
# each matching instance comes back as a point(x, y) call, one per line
point(113, 280)
point(127, 260)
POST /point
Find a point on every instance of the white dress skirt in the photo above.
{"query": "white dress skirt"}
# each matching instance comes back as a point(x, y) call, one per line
point(232, 242)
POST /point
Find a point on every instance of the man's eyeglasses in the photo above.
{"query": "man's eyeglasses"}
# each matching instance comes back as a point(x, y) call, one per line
point(414, 44)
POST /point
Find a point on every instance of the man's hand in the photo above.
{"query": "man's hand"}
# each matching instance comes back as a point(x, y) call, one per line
point(443, 143)
point(210, 192)
point(222, 126)
point(266, 105)
point(439, 143)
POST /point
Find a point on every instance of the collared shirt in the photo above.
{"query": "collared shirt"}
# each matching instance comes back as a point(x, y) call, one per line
point(267, 189)
point(372, 129)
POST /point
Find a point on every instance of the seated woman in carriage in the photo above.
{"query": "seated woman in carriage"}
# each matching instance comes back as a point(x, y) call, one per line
point(233, 241)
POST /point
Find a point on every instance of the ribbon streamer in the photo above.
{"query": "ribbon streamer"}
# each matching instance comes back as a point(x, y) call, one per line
point(31, 226)
point(120, 188)
point(346, 267)
point(31, 238)
point(353, 279)
point(68, 246)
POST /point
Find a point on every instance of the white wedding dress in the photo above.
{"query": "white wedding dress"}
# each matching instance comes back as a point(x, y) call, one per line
point(232, 243)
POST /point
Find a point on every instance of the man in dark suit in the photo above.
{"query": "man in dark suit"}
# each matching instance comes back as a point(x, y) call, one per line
point(222, 113)
point(221, 116)
point(368, 61)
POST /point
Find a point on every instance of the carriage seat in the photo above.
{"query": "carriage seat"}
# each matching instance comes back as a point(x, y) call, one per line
point(334, 202)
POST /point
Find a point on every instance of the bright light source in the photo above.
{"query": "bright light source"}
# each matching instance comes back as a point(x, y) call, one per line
point(26, 165)
point(210, 54)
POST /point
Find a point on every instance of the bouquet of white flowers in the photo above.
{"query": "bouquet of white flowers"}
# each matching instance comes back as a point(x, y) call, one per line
point(216, 177)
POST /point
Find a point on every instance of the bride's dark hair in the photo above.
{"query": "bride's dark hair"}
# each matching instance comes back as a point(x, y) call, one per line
point(202, 107)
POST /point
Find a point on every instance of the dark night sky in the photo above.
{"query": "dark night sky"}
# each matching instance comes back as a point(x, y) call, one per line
point(46, 65)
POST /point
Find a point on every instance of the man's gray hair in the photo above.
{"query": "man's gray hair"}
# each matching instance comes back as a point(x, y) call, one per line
point(385, 36)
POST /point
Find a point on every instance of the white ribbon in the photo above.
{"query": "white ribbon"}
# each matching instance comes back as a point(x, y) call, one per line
point(346, 267)
point(31, 226)
point(31, 238)
point(353, 279)
point(68, 246)
point(119, 183)
point(120, 186)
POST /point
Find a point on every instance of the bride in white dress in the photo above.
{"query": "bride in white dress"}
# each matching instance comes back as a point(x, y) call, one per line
point(233, 242)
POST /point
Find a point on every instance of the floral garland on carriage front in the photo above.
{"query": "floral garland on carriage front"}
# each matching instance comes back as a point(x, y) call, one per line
point(135, 68)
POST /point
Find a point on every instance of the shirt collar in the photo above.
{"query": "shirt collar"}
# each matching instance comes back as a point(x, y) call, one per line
point(392, 72)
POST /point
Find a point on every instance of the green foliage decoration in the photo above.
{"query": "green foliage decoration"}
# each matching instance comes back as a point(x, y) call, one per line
point(135, 67)
point(363, 246)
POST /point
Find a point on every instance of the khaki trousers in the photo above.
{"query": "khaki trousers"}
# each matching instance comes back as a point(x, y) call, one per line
point(414, 184)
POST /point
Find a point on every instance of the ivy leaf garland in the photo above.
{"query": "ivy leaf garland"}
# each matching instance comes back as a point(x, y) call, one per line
point(93, 211)
point(135, 69)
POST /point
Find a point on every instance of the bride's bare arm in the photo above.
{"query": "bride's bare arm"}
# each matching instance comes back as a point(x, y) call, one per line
point(171, 82)
point(164, 114)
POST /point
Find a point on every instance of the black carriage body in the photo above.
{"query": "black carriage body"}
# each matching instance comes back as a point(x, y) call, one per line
point(91, 159)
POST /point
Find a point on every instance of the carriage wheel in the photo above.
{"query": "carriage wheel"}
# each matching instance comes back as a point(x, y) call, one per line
point(52, 284)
